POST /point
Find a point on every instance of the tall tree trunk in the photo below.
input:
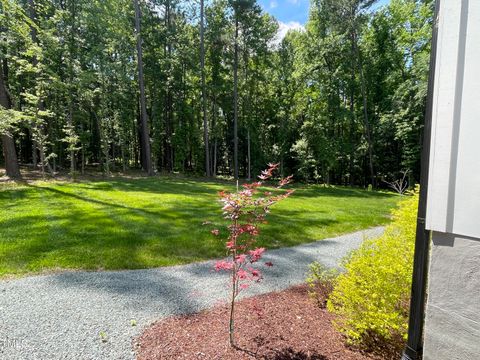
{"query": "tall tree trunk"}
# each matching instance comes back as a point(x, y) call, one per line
point(145, 138)
point(214, 124)
point(33, 34)
point(72, 46)
point(352, 114)
point(368, 134)
point(204, 90)
point(168, 157)
point(247, 108)
point(9, 151)
point(235, 101)
point(38, 129)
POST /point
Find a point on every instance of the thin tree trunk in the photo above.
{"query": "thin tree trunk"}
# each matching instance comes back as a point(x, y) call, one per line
point(107, 158)
point(42, 159)
point(83, 161)
point(124, 160)
point(249, 157)
point(215, 157)
point(235, 101)
point(147, 166)
point(34, 154)
point(204, 89)
point(114, 157)
point(138, 148)
point(214, 124)
point(231, 327)
point(83, 156)
point(9, 151)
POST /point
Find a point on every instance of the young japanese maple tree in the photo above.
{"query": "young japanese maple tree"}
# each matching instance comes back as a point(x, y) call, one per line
point(245, 210)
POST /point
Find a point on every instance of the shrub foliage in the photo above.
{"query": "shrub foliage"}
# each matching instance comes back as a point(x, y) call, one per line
point(320, 281)
point(371, 298)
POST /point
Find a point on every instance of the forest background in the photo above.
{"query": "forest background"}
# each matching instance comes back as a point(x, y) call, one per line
point(208, 88)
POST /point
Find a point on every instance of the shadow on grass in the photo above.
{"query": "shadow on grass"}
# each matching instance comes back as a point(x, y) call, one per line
point(61, 226)
point(340, 192)
point(74, 231)
point(93, 201)
point(199, 187)
point(158, 186)
point(105, 235)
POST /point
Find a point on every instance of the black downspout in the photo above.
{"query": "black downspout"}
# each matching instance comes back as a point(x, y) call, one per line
point(413, 350)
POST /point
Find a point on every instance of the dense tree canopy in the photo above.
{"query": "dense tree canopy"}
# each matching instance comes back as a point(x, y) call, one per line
point(206, 87)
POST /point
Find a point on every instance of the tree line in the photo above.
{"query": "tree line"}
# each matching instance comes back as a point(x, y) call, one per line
point(207, 87)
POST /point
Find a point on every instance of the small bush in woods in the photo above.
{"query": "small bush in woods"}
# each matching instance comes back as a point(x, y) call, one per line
point(371, 298)
point(245, 210)
point(320, 281)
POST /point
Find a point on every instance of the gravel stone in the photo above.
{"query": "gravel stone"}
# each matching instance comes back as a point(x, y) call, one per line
point(96, 315)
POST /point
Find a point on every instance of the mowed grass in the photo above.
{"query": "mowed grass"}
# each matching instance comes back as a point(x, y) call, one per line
point(150, 222)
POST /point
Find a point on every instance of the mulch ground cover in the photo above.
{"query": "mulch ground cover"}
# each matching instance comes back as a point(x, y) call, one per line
point(276, 326)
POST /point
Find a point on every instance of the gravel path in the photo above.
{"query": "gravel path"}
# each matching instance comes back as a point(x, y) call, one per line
point(95, 315)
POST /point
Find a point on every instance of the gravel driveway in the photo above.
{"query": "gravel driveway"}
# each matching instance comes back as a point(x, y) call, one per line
point(95, 315)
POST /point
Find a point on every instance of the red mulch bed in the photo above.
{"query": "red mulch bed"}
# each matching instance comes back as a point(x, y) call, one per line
point(275, 326)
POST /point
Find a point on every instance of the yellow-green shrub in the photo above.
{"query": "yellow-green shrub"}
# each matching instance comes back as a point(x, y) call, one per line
point(371, 298)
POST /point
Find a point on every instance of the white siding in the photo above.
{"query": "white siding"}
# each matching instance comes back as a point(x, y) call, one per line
point(454, 183)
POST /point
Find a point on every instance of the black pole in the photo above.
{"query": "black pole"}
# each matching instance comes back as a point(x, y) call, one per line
point(413, 350)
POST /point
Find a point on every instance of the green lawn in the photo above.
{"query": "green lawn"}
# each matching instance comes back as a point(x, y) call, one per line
point(148, 222)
